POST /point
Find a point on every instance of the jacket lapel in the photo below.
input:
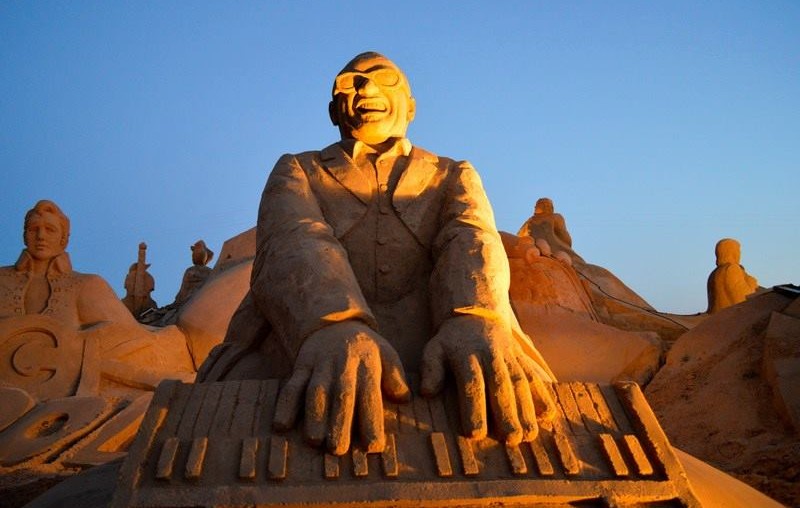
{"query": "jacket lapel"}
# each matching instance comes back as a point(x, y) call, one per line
point(414, 180)
point(416, 193)
point(346, 172)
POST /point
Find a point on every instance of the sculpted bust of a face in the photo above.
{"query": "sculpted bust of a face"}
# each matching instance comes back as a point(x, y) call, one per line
point(45, 233)
point(544, 206)
point(371, 100)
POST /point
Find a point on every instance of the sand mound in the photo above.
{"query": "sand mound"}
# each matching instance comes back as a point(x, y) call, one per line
point(725, 394)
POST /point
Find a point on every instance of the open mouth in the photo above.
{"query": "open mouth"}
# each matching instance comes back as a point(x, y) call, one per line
point(367, 107)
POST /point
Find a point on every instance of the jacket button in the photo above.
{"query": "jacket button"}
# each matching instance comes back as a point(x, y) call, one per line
point(384, 269)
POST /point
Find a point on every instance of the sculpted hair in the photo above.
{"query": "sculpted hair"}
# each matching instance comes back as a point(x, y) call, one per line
point(546, 204)
point(46, 206)
point(728, 250)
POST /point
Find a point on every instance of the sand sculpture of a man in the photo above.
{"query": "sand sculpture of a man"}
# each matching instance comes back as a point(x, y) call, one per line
point(547, 224)
point(196, 275)
point(729, 283)
point(42, 280)
point(374, 256)
point(51, 315)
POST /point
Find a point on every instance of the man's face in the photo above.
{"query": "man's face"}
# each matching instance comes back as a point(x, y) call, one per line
point(372, 101)
point(44, 237)
point(543, 207)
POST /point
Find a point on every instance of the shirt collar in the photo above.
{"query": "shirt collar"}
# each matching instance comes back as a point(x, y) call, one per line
point(356, 149)
point(59, 265)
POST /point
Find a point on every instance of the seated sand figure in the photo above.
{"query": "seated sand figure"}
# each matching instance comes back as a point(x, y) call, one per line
point(375, 256)
point(52, 317)
point(547, 224)
point(139, 284)
point(195, 275)
point(729, 283)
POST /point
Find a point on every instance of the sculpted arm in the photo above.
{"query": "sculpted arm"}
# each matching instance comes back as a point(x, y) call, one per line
point(301, 280)
point(474, 321)
point(303, 283)
point(560, 227)
point(525, 229)
point(97, 303)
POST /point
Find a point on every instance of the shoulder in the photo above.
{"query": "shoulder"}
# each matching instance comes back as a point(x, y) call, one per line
point(91, 282)
point(291, 162)
point(294, 158)
point(443, 162)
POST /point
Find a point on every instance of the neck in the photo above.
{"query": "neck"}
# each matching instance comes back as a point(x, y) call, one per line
point(39, 266)
point(379, 146)
point(57, 264)
point(383, 145)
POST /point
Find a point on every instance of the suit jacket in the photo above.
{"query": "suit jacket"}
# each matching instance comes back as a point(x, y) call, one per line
point(303, 279)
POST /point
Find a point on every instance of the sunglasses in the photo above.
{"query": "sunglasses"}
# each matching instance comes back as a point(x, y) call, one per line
point(346, 82)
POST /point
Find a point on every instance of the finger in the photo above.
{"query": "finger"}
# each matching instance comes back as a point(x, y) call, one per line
point(370, 408)
point(543, 399)
point(525, 406)
point(342, 407)
point(290, 399)
point(433, 368)
point(503, 400)
point(532, 369)
point(393, 377)
point(471, 396)
point(539, 380)
point(317, 404)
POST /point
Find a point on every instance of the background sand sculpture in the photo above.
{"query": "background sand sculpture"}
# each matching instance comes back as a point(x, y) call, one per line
point(545, 223)
point(729, 392)
point(139, 284)
point(76, 369)
point(729, 283)
point(193, 279)
point(614, 303)
point(195, 276)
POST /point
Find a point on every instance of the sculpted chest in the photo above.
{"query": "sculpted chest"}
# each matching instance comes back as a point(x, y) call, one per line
point(345, 192)
point(61, 303)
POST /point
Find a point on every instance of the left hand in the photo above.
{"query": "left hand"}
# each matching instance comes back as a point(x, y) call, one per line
point(339, 375)
point(488, 363)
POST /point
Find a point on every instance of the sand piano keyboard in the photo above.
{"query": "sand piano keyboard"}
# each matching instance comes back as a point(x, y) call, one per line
point(212, 445)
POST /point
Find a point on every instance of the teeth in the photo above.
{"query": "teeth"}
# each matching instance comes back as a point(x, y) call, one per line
point(371, 107)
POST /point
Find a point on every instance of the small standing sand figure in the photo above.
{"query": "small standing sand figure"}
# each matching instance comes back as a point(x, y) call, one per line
point(195, 275)
point(729, 283)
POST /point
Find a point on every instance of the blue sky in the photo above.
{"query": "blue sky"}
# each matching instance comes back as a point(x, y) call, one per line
point(657, 128)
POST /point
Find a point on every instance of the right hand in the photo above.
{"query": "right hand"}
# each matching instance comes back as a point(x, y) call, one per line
point(494, 377)
point(341, 370)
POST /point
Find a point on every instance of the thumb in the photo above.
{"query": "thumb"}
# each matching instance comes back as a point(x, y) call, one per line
point(433, 368)
point(290, 400)
point(393, 377)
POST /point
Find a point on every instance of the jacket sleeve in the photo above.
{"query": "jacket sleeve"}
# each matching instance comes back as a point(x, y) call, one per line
point(302, 280)
point(471, 274)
